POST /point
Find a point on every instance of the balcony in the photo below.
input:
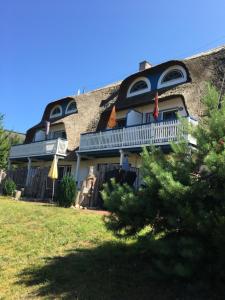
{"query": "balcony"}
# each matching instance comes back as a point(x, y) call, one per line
point(162, 133)
point(39, 149)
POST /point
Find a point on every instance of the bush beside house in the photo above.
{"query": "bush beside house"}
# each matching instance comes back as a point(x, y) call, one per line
point(8, 187)
point(66, 192)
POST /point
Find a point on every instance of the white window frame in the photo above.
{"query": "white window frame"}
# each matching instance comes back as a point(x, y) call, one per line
point(148, 89)
point(169, 110)
point(56, 115)
point(70, 111)
point(172, 82)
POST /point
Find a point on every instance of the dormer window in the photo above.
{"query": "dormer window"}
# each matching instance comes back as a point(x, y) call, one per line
point(172, 76)
point(56, 112)
point(71, 107)
point(139, 86)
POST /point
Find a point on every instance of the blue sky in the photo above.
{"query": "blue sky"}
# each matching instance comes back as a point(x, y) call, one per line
point(51, 48)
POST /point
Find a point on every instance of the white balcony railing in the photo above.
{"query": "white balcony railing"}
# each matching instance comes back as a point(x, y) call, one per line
point(162, 133)
point(42, 148)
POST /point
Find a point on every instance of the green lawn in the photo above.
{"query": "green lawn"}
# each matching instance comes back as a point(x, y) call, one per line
point(48, 252)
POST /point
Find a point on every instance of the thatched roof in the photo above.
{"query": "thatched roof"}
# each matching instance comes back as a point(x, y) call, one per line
point(89, 108)
point(94, 107)
point(202, 68)
point(208, 66)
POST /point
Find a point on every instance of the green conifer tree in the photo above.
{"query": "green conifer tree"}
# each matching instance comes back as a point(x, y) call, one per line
point(182, 200)
point(4, 145)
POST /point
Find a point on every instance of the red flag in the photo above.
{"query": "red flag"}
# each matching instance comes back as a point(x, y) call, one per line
point(156, 109)
point(112, 119)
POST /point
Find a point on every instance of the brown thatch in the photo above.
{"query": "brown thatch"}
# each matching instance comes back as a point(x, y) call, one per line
point(205, 67)
point(202, 68)
point(89, 108)
point(94, 107)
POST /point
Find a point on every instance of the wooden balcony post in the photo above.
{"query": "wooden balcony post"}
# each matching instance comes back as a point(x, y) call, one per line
point(121, 156)
point(100, 139)
point(77, 167)
point(28, 171)
point(123, 137)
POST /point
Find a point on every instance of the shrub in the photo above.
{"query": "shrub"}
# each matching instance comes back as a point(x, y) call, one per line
point(66, 192)
point(8, 187)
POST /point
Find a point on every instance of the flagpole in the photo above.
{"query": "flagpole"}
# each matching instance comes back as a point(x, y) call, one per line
point(53, 189)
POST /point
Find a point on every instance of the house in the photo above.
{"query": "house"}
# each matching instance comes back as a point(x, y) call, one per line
point(66, 118)
point(179, 84)
point(78, 133)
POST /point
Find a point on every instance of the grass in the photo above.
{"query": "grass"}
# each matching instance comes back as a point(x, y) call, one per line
point(31, 234)
point(48, 252)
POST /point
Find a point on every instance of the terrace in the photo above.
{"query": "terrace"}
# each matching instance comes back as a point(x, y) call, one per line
point(160, 133)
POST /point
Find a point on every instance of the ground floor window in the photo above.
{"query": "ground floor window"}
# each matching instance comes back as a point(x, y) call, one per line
point(106, 165)
point(64, 171)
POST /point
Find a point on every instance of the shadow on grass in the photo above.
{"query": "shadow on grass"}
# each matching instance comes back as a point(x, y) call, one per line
point(110, 271)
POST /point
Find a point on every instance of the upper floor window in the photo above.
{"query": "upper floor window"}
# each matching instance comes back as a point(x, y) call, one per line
point(71, 107)
point(56, 111)
point(39, 136)
point(121, 123)
point(57, 134)
point(167, 115)
point(170, 115)
point(139, 86)
point(171, 76)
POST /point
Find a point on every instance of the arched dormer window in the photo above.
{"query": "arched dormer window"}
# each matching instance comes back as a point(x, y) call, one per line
point(172, 75)
point(139, 86)
point(71, 107)
point(56, 112)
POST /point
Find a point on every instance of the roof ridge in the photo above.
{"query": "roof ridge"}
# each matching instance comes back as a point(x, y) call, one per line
point(89, 92)
point(205, 53)
point(103, 87)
